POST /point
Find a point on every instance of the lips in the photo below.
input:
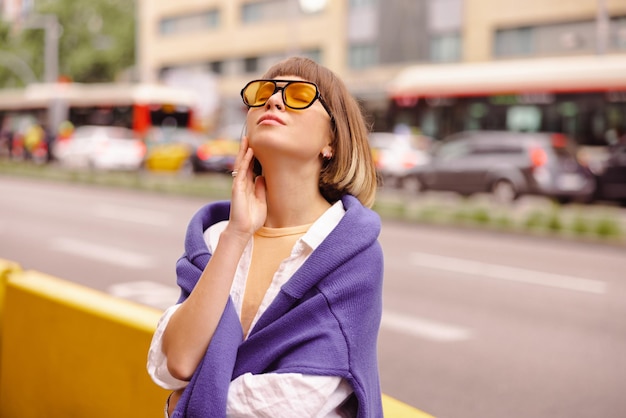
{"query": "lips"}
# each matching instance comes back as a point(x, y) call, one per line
point(270, 119)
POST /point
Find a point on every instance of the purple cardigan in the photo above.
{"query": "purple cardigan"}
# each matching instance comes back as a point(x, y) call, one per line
point(324, 321)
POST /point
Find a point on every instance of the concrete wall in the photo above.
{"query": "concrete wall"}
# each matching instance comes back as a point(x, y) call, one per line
point(71, 351)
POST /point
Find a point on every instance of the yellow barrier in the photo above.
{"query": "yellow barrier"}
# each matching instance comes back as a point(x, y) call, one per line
point(71, 351)
point(393, 408)
point(7, 267)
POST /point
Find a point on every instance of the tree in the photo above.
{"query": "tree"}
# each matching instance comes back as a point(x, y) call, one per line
point(97, 41)
point(8, 75)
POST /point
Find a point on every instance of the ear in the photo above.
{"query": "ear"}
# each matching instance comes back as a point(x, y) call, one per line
point(327, 152)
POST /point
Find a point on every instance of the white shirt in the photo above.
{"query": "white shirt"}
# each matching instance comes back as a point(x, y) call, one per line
point(269, 395)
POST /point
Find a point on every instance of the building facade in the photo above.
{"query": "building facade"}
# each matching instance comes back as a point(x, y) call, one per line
point(367, 42)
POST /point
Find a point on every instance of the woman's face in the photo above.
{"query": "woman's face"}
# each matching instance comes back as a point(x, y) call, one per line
point(275, 130)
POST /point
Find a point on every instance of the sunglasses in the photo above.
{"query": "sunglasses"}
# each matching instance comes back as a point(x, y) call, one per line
point(296, 94)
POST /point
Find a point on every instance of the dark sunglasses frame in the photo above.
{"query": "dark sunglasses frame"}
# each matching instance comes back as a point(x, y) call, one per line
point(282, 90)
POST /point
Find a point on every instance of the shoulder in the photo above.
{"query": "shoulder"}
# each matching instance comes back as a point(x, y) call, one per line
point(360, 217)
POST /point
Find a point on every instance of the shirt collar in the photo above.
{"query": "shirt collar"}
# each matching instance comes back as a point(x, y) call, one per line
point(322, 227)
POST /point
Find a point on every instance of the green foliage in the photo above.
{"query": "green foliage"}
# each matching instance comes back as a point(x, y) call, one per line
point(535, 220)
point(429, 213)
point(472, 214)
point(554, 222)
point(607, 227)
point(460, 215)
point(481, 216)
point(97, 40)
point(8, 77)
point(503, 221)
point(580, 226)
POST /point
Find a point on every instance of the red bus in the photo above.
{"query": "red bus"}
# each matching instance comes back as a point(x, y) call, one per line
point(56, 106)
point(583, 97)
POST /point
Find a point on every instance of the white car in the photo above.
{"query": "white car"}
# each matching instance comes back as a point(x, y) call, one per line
point(395, 155)
point(101, 147)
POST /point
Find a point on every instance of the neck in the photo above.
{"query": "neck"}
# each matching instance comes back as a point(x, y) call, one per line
point(292, 200)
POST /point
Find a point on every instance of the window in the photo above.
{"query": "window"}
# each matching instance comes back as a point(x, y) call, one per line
point(579, 37)
point(314, 54)
point(362, 56)
point(251, 65)
point(453, 150)
point(445, 47)
point(356, 4)
point(251, 12)
point(518, 41)
point(618, 33)
point(190, 23)
point(523, 118)
point(445, 21)
point(476, 113)
point(266, 11)
point(216, 67)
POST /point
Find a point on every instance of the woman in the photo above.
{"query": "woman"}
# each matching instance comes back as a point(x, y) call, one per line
point(281, 288)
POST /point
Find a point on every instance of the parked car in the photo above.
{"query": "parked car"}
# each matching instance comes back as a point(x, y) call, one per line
point(506, 164)
point(611, 179)
point(396, 154)
point(100, 147)
point(187, 151)
point(216, 155)
point(171, 149)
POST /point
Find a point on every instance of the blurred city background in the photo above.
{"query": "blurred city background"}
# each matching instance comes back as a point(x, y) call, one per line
point(498, 125)
point(167, 76)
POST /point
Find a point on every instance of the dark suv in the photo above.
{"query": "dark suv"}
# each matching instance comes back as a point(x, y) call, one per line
point(507, 164)
point(612, 175)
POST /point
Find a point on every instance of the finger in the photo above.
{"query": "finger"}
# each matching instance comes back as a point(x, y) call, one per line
point(243, 171)
point(247, 167)
point(243, 147)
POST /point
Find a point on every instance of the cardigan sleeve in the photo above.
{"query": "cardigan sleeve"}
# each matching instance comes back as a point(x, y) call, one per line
point(275, 395)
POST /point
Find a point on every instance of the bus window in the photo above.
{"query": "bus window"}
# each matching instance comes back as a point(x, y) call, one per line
point(428, 124)
point(523, 118)
point(475, 114)
point(598, 125)
point(569, 111)
point(167, 115)
point(101, 115)
point(616, 123)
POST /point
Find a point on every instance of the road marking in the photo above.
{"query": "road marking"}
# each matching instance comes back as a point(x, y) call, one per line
point(148, 293)
point(128, 214)
point(515, 274)
point(103, 253)
point(424, 328)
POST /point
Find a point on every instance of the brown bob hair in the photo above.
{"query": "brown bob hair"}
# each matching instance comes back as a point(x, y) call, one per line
point(351, 170)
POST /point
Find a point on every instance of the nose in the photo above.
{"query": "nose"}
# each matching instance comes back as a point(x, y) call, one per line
point(276, 100)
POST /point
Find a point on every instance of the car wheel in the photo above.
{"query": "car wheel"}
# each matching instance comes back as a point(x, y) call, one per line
point(411, 184)
point(503, 191)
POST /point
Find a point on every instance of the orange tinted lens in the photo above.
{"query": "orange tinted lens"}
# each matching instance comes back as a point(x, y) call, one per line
point(300, 95)
point(257, 93)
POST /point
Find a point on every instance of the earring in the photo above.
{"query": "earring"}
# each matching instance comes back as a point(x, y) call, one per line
point(327, 154)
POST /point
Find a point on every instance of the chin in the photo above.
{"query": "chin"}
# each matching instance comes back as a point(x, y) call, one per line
point(265, 139)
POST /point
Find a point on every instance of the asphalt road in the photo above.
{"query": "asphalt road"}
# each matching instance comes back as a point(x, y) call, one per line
point(476, 324)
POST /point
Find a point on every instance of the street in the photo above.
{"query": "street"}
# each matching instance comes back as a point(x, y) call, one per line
point(475, 324)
